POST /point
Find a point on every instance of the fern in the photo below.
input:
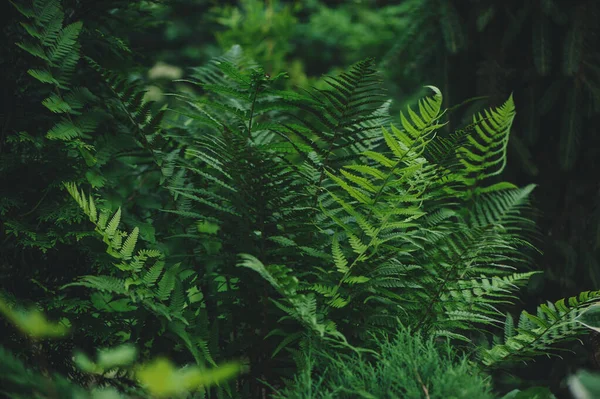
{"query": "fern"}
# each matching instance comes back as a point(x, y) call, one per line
point(382, 211)
point(537, 334)
point(129, 101)
point(126, 250)
point(58, 47)
point(101, 283)
point(142, 277)
point(406, 244)
point(301, 307)
point(485, 156)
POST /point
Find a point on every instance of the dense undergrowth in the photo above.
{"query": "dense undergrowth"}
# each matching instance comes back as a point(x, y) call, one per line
point(241, 239)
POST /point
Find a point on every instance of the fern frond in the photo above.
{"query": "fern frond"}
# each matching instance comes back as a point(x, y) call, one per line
point(538, 334)
point(151, 276)
point(65, 42)
point(341, 263)
point(485, 154)
point(101, 283)
point(503, 209)
point(112, 226)
point(166, 285)
point(126, 250)
point(43, 76)
point(65, 130)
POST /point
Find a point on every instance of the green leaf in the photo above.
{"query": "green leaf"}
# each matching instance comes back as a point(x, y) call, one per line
point(339, 259)
point(34, 50)
point(393, 144)
point(65, 42)
point(570, 135)
point(65, 130)
point(85, 364)
point(452, 27)
point(129, 245)
point(43, 76)
point(542, 45)
point(27, 12)
point(207, 227)
point(123, 355)
point(585, 385)
point(56, 104)
point(355, 193)
point(530, 393)
point(162, 379)
point(95, 179)
point(33, 322)
point(590, 318)
point(107, 359)
point(484, 18)
point(111, 229)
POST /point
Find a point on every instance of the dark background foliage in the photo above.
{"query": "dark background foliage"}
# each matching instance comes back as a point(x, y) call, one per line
point(545, 52)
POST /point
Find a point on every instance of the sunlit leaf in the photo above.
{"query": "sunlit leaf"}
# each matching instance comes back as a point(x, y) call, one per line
point(163, 379)
point(33, 322)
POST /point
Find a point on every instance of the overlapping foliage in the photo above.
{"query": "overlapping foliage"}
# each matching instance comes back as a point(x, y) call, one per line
point(270, 221)
point(546, 53)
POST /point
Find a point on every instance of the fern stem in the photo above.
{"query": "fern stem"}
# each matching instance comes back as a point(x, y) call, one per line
point(334, 136)
point(371, 210)
point(540, 335)
point(438, 294)
point(252, 105)
point(36, 205)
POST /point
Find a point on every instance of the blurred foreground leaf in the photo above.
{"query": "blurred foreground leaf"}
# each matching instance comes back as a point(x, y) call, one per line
point(107, 359)
point(591, 318)
point(33, 322)
point(163, 379)
point(585, 385)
